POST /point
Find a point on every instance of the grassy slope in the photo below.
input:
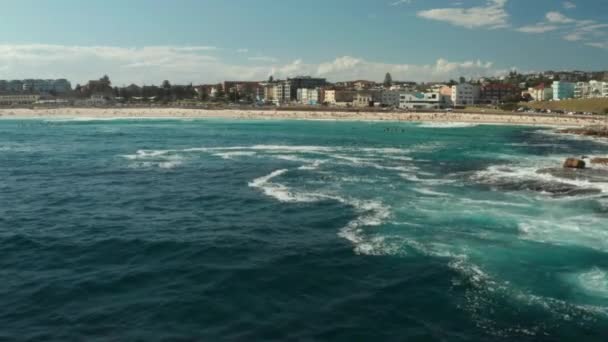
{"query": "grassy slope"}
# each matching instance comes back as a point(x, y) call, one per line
point(585, 105)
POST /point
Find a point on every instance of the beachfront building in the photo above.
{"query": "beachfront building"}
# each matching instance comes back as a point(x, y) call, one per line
point(562, 90)
point(390, 98)
point(344, 98)
point(582, 90)
point(308, 96)
point(494, 93)
point(303, 82)
point(18, 99)
point(598, 89)
point(36, 86)
point(423, 101)
point(364, 99)
point(281, 92)
point(541, 93)
point(465, 94)
point(591, 89)
point(329, 96)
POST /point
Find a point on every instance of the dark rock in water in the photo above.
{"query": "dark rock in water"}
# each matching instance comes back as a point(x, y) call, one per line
point(600, 161)
point(589, 175)
point(554, 186)
point(573, 163)
point(588, 131)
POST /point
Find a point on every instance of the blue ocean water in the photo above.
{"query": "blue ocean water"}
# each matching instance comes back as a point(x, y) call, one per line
point(218, 230)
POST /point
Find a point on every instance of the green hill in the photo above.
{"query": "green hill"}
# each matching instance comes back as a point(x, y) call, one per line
point(599, 105)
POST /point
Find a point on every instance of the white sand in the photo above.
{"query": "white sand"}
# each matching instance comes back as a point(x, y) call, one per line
point(109, 113)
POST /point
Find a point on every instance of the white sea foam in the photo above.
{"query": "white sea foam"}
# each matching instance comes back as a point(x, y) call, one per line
point(145, 154)
point(429, 192)
point(501, 173)
point(447, 125)
point(232, 155)
point(282, 193)
point(589, 231)
point(594, 282)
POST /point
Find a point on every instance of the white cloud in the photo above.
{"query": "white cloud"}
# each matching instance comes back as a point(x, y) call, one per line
point(152, 64)
point(569, 5)
point(266, 59)
point(538, 28)
point(242, 50)
point(493, 15)
point(601, 45)
point(401, 2)
point(572, 30)
point(558, 18)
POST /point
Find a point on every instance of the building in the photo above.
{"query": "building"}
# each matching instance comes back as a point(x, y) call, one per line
point(364, 99)
point(308, 96)
point(541, 93)
point(362, 85)
point(249, 90)
point(420, 101)
point(582, 90)
point(282, 92)
point(591, 89)
point(562, 90)
point(390, 98)
point(18, 99)
point(599, 88)
point(329, 96)
point(36, 86)
point(303, 82)
point(495, 93)
point(465, 94)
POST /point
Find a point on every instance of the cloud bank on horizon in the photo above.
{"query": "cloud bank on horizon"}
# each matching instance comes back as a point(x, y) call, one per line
point(152, 64)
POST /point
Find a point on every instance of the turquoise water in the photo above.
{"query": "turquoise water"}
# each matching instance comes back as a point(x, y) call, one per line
point(271, 230)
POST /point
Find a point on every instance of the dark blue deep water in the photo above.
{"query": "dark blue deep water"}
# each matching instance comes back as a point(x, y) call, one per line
point(213, 230)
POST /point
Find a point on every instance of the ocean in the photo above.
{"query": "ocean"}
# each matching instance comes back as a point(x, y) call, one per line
point(220, 230)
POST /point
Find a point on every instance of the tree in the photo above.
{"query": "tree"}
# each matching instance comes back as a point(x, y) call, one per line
point(270, 79)
point(463, 80)
point(106, 80)
point(166, 89)
point(388, 80)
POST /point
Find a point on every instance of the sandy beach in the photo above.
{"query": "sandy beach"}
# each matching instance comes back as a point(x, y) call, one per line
point(451, 117)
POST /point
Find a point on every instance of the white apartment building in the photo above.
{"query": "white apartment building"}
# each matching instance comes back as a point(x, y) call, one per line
point(582, 90)
point(465, 94)
point(330, 97)
point(282, 93)
point(598, 89)
point(308, 96)
point(420, 101)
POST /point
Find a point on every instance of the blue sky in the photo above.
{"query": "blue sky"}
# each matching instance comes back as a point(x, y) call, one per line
point(210, 40)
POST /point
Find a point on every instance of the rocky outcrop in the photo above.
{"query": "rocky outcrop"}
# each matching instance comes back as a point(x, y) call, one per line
point(573, 163)
point(588, 131)
point(600, 161)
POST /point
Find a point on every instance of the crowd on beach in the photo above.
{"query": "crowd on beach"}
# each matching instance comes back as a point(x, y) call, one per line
point(482, 118)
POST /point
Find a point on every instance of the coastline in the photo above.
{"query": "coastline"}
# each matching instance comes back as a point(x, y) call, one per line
point(252, 114)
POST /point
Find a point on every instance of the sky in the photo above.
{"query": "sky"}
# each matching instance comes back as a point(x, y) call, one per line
point(206, 41)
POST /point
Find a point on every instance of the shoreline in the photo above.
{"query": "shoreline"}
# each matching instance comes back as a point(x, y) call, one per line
point(329, 115)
